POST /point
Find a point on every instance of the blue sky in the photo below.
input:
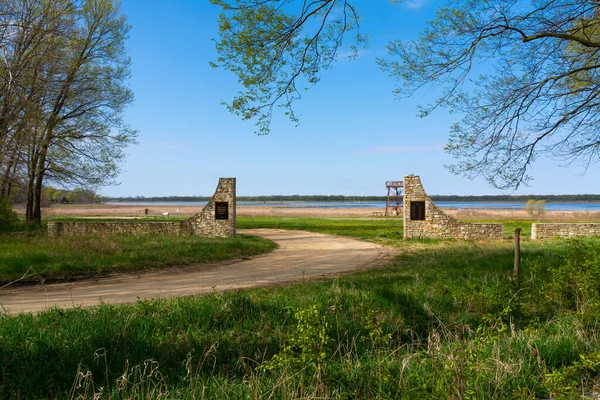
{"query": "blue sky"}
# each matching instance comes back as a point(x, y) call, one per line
point(353, 134)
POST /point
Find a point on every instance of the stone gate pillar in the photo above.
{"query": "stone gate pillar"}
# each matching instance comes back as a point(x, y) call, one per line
point(217, 218)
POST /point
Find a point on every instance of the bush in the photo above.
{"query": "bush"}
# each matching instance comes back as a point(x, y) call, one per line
point(8, 217)
point(540, 206)
point(573, 284)
point(530, 206)
point(535, 207)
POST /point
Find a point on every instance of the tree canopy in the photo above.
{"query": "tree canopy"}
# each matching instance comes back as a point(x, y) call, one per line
point(522, 76)
point(278, 47)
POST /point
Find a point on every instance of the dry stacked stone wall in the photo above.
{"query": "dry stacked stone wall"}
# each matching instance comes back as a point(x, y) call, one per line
point(423, 219)
point(564, 230)
point(217, 219)
point(77, 228)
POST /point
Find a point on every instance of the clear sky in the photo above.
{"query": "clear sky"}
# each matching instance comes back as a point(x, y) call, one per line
point(353, 134)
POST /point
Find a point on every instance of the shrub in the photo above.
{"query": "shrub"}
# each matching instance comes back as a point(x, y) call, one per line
point(305, 347)
point(535, 207)
point(8, 217)
point(573, 284)
point(530, 206)
point(569, 382)
point(540, 207)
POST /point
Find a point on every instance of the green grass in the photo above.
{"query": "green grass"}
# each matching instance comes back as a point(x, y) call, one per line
point(39, 257)
point(384, 231)
point(374, 230)
point(442, 320)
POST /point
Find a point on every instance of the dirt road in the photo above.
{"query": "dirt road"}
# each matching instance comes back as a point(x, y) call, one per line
point(301, 255)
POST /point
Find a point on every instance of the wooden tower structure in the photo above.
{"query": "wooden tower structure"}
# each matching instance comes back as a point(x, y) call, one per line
point(394, 197)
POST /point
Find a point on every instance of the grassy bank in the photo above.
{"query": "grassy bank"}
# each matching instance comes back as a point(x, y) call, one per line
point(32, 253)
point(443, 320)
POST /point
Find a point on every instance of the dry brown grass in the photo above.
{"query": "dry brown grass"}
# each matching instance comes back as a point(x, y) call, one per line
point(128, 211)
point(265, 211)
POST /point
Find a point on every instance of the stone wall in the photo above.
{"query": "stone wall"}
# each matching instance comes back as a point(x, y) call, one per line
point(78, 228)
point(216, 219)
point(564, 230)
point(435, 224)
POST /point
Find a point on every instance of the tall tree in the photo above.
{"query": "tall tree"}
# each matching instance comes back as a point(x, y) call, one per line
point(84, 134)
point(69, 120)
point(27, 29)
point(536, 64)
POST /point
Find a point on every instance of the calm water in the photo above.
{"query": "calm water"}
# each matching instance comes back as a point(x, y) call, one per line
point(375, 204)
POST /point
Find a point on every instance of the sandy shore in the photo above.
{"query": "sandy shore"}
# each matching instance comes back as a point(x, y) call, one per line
point(128, 211)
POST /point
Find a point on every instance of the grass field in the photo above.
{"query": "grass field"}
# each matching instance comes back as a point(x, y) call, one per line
point(33, 254)
point(444, 319)
point(384, 231)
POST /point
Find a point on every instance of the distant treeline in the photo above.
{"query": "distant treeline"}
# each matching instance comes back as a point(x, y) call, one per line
point(280, 198)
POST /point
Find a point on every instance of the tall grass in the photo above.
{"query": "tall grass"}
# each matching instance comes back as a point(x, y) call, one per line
point(38, 256)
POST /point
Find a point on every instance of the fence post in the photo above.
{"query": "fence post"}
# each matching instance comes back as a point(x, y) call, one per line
point(517, 256)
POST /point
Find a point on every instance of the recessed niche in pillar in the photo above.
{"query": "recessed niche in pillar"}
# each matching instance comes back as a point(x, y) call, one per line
point(417, 210)
point(221, 210)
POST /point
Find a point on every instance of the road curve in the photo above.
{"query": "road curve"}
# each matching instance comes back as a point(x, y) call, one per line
point(300, 255)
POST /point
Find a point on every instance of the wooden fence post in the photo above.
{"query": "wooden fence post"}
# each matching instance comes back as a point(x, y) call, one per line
point(517, 256)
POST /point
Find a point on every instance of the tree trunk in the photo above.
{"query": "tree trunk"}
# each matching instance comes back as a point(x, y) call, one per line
point(29, 207)
point(9, 173)
point(53, 121)
point(11, 183)
point(37, 199)
point(39, 179)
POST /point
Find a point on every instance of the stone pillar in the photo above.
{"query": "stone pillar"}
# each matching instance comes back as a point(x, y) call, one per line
point(217, 218)
point(423, 219)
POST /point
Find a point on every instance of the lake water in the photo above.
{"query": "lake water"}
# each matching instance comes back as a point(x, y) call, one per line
point(575, 206)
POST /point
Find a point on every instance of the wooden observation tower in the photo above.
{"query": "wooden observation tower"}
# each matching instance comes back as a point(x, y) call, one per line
point(394, 197)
